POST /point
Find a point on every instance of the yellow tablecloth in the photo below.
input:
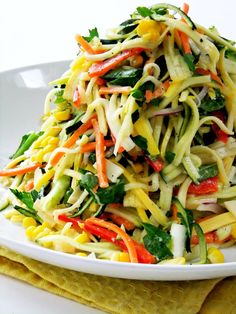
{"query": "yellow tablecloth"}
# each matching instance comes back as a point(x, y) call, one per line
point(216, 296)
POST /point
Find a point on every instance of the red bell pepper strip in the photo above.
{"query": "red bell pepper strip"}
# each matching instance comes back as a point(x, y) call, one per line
point(76, 98)
point(121, 233)
point(101, 68)
point(75, 221)
point(143, 255)
point(221, 135)
point(205, 187)
point(157, 165)
point(210, 237)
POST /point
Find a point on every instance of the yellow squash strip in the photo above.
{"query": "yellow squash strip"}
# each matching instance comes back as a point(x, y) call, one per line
point(216, 222)
point(143, 128)
point(142, 214)
point(145, 200)
point(44, 180)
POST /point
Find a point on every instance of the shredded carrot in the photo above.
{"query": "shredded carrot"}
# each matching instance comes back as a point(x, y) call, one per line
point(115, 90)
point(214, 76)
point(177, 38)
point(124, 236)
point(29, 186)
point(122, 221)
point(174, 212)
point(185, 43)
point(158, 92)
point(185, 8)
point(121, 149)
point(101, 68)
point(100, 156)
point(90, 147)
point(16, 171)
point(148, 95)
point(84, 44)
point(71, 140)
point(184, 37)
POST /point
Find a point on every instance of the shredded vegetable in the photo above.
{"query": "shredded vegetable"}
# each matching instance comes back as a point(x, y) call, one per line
point(135, 160)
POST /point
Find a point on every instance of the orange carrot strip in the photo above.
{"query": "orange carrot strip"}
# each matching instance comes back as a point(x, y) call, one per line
point(185, 43)
point(124, 236)
point(174, 212)
point(90, 147)
point(101, 68)
point(166, 84)
point(177, 38)
point(115, 90)
point(185, 8)
point(214, 76)
point(148, 95)
point(16, 171)
point(84, 44)
point(184, 38)
point(100, 156)
point(121, 149)
point(71, 140)
point(122, 221)
point(158, 92)
point(29, 186)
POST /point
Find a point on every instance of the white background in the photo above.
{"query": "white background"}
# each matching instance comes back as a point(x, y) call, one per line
point(36, 31)
point(42, 31)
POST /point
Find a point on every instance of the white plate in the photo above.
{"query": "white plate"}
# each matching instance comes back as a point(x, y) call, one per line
point(22, 93)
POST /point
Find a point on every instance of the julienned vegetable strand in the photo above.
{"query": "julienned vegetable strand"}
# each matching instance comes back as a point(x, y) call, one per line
point(135, 159)
point(127, 240)
point(100, 156)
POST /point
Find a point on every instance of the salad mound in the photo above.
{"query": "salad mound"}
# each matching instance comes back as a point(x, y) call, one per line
point(135, 158)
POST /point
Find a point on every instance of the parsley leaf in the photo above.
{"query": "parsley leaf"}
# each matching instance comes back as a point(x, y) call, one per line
point(92, 33)
point(169, 157)
point(26, 141)
point(92, 158)
point(141, 142)
point(88, 181)
point(114, 193)
point(144, 11)
point(157, 242)
point(27, 198)
point(123, 76)
point(187, 220)
point(209, 105)
point(139, 93)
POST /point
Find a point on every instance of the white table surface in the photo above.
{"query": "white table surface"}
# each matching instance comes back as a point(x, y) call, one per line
point(42, 31)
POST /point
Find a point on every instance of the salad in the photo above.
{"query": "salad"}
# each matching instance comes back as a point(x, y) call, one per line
point(135, 158)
